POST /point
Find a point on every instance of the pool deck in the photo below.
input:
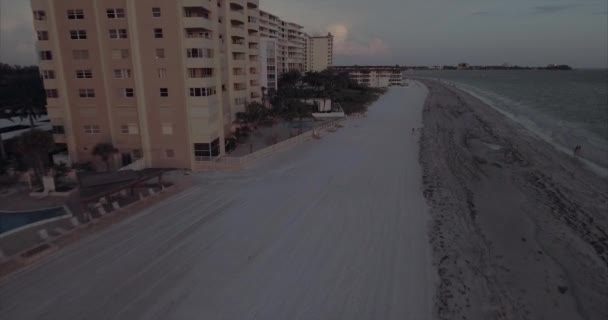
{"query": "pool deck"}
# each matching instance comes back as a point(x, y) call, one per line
point(21, 201)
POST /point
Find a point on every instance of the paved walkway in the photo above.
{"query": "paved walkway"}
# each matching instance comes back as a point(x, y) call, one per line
point(332, 229)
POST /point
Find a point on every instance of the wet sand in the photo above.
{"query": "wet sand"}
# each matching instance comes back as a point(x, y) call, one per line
point(519, 229)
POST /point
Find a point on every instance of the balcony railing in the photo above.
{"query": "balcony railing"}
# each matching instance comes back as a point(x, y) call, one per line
point(196, 12)
point(200, 33)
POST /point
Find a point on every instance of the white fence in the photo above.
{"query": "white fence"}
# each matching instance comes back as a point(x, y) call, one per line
point(236, 163)
point(135, 166)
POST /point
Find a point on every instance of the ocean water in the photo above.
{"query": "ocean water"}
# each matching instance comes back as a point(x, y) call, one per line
point(565, 108)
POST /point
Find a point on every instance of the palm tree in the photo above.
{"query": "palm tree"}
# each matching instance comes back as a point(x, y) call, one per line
point(27, 97)
point(35, 146)
point(264, 95)
point(5, 114)
point(105, 151)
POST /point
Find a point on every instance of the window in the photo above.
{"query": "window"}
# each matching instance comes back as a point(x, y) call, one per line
point(84, 74)
point(130, 128)
point(43, 35)
point(118, 54)
point(167, 128)
point(118, 33)
point(122, 73)
point(158, 33)
point(170, 153)
point(240, 101)
point(52, 93)
point(48, 74)
point(76, 14)
point(80, 54)
point(129, 92)
point(58, 130)
point(39, 15)
point(200, 72)
point(202, 92)
point(86, 93)
point(156, 13)
point(162, 73)
point(45, 55)
point(199, 53)
point(117, 13)
point(164, 92)
point(160, 53)
point(92, 129)
point(206, 151)
point(78, 34)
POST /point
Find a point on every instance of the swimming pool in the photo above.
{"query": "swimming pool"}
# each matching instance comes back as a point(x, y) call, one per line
point(13, 220)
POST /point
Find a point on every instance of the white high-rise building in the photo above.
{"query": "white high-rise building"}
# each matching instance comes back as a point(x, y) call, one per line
point(319, 52)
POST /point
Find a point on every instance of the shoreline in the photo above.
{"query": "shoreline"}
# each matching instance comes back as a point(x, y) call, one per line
point(518, 229)
point(595, 160)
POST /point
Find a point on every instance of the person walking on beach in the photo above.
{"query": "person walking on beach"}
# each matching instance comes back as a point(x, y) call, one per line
point(577, 150)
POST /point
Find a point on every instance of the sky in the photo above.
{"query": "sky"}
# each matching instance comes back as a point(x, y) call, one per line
point(414, 32)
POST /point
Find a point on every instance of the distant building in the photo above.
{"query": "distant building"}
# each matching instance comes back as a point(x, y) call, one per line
point(319, 52)
point(463, 66)
point(289, 42)
point(269, 57)
point(375, 76)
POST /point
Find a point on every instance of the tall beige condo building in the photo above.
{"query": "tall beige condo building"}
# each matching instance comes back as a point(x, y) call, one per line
point(161, 80)
point(283, 48)
point(319, 52)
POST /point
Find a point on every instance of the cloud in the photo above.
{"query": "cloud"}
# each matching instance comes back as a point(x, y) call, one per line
point(17, 43)
point(552, 8)
point(486, 14)
point(345, 45)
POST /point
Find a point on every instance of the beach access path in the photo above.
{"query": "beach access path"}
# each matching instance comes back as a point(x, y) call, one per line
point(332, 229)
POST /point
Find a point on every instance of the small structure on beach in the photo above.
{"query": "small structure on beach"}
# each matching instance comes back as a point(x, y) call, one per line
point(326, 109)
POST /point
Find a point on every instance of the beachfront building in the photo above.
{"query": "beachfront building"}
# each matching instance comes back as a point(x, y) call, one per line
point(319, 52)
point(283, 48)
point(375, 76)
point(160, 80)
point(269, 57)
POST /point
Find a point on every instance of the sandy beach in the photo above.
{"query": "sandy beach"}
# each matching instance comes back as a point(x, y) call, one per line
point(519, 229)
point(333, 229)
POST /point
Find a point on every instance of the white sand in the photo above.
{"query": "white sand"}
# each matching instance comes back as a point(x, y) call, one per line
point(333, 229)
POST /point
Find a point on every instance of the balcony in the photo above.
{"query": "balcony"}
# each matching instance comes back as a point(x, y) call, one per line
point(238, 56)
point(238, 42)
point(237, 11)
point(238, 28)
point(198, 33)
point(252, 5)
point(197, 17)
point(254, 49)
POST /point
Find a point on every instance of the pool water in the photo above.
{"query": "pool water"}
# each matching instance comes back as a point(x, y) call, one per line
point(13, 220)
